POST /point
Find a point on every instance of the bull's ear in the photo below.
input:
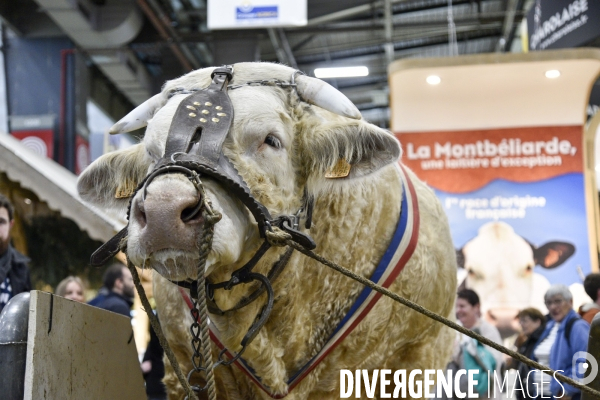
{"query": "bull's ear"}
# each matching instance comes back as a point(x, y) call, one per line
point(110, 180)
point(349, 149)
point(553, 254)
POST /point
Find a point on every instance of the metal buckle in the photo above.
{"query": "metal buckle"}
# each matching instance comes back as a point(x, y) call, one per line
point(224, 70)
point(175, 154)
point(290, 225)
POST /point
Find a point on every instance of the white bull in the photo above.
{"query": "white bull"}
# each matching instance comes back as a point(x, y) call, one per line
point(499, 265)
point(283, 142)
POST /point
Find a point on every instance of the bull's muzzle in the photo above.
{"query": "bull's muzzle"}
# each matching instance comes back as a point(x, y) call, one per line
point(169, 216)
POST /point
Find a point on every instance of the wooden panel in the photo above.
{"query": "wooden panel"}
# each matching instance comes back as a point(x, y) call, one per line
point(76, 351)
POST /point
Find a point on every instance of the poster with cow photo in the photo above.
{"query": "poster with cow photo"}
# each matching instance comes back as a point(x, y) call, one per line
point(515, 200)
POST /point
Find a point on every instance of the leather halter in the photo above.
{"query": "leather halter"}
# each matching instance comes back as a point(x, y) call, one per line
point(195, 141)
point(194, 148)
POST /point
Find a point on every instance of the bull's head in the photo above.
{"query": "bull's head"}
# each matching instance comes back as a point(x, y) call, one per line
point(282, 141)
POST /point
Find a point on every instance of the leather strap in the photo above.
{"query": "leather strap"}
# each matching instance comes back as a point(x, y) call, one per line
point(226, 175)
point(195, 140)
point(272, 275)
point(109, 249)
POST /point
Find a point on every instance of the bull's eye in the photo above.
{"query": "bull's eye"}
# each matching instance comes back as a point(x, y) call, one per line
point(273, 141)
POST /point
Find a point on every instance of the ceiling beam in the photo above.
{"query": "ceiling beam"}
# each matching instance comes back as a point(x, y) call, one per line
point(343, 14)
point(350, 12)
point(379, 23)
point(409, 29)
point(373, 44)
point(519, 15)
point(320, 55)
point(164, 27)
point(281, 57)
point(287, 49)
point(398, 5)
point(509, 18)
point(388, 29)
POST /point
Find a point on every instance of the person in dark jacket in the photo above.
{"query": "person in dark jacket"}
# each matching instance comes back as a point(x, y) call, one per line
point(154, 369)
point(14, 274)
point(100, 296)
point(119, 299)
point(532, 323)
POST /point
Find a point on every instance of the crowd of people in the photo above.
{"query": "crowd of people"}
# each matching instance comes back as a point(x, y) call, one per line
point(116, 295)
point(556, 340)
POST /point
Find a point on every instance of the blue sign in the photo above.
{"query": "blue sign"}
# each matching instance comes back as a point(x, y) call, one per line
point(259, 12)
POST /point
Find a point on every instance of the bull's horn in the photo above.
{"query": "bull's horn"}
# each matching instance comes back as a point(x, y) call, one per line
point(139, 116)
point(322, 94)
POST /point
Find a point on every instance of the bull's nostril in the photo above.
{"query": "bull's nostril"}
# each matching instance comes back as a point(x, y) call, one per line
point(140, 214)
point(191, 213)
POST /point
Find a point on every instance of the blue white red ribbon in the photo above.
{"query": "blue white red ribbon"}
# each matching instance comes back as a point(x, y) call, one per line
point(400, 250)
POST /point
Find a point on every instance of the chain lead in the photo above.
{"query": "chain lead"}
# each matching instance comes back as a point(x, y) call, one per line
point(202, 356)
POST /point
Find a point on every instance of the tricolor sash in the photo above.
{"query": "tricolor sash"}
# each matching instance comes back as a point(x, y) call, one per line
point(400, 250)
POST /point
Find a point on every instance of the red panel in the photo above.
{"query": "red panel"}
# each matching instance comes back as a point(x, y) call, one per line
point(460, 162)
point(39, 141)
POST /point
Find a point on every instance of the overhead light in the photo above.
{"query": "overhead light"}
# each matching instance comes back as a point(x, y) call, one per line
point(552, 73)
point(433, 79)
point(341, 72)
point(104, 59)
point(27, 201)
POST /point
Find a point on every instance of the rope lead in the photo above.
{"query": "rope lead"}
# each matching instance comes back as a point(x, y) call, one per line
point(441, 319)
point(159, 333)
point(277, 237)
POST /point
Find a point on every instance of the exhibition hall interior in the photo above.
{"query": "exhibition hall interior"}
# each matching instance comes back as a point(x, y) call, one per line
point(178, 162)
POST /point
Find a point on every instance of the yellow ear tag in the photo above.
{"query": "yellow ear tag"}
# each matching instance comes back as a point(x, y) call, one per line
point(125, 190)
point(340, 170)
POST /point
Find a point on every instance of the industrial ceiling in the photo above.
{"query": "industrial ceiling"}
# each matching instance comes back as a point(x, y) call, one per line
point(138, 44)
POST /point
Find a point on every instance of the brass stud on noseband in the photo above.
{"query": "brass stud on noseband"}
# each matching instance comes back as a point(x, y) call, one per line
point(215, 120)
point(191, 108)
point(221, 114)
point(192, 115)
point(208, 104)
point(202, 120)
point(219, 107)
point(196, 103)
point(205, 112)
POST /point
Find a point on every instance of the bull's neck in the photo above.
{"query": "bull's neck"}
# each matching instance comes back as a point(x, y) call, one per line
point(352, 226)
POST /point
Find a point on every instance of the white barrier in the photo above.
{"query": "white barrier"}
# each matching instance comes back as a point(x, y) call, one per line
point(76, 351)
